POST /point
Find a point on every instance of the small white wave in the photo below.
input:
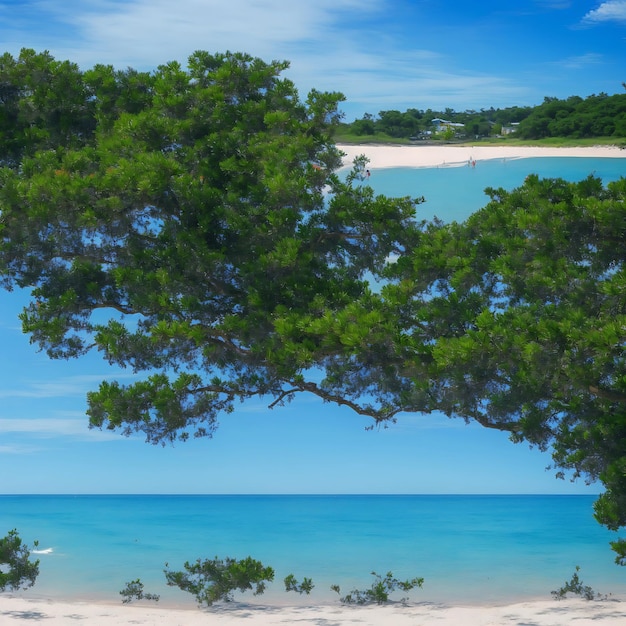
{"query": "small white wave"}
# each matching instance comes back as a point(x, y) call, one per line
point(44, 551)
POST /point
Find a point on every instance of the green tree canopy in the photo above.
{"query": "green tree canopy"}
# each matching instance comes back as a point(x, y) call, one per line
point(188, 232)
point(215, 580)
point(521, 311)
point(196, 231)
point(595, 116)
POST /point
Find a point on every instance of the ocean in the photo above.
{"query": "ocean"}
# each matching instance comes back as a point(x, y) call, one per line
point(468, 548)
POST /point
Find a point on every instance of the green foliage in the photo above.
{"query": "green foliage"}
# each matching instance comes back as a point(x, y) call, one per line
point(596, 116)
point(446, 135)
point(194, 233)
point(414, 123)
point(134, 591)
point(214, 580)
point(292, 584)
point(16, 570)
point(575, 586)
point(379, 591)
point(518, 314)
point(577, 118)
point(619, 547)
point(189, 224)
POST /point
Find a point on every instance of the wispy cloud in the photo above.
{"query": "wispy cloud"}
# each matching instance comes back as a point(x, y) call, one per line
point(139, 31)
point(611, 11)
point(582, 62)
point(333, 45)
point(18, 449)
point(62, 387)
point(418, 77)
point(68, 425)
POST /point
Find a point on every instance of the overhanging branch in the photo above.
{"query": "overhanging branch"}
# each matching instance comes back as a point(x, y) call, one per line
point(608, 394)
point(368, 411)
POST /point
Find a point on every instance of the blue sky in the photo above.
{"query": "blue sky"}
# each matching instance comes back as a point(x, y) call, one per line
point(381, 54)
point(304, 447)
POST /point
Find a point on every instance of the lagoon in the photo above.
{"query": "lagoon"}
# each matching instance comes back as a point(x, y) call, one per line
point(452, 193)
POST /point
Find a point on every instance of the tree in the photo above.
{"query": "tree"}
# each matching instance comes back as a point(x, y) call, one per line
point(520, 312)
point(595, 116)
point(364, 126)
point(134, 590)
point(292, 584)
point(380, 589)
point(214, 580)
point(197, 232)
point(190, 236)
point(16, 570)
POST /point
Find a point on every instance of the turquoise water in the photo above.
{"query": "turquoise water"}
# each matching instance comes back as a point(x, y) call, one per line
point(453, 193)
point(468, 548)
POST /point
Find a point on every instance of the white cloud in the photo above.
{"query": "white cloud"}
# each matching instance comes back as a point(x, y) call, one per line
point(327, 44)
point(436, 89)
point(66, 426)
point(611, 11)
point(137, 33)
point(62, 387)
point(17, 449)
point(583, 61)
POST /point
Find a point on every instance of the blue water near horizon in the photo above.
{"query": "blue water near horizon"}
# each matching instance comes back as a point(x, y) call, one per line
point(468, 548)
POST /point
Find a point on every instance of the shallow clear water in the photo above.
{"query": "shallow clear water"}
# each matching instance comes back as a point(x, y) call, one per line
point(467, 548)
point(453, 193)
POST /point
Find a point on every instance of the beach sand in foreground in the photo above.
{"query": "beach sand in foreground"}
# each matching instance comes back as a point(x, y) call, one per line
point(451, 155)
point(542, 613)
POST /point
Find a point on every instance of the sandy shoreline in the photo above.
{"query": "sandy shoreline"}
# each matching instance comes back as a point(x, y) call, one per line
point(15, 610)
point(451, 155)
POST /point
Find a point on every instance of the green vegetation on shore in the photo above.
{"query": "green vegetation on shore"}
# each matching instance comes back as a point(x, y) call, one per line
point(214, 580)
point(576, 587)
point(380, 589)
point(601, 118)
point(552, 142)
point(17, 571)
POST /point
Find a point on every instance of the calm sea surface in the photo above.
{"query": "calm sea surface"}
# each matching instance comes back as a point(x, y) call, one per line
point(468, 548)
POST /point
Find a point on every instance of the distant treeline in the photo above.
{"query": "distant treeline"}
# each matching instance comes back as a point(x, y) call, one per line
point(595, 116)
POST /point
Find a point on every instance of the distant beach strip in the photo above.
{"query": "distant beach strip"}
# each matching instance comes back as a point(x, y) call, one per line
point(381, 156)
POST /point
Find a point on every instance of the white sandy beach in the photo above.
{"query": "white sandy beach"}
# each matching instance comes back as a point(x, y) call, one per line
point(452, 155)
point(541, 613)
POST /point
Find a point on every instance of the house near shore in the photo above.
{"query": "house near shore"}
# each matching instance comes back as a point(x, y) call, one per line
point(509, 128)
point(441, 126)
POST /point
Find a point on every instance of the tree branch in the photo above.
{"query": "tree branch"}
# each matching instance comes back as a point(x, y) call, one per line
point(511, 427)
point(608, 394)
point(376, 414)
